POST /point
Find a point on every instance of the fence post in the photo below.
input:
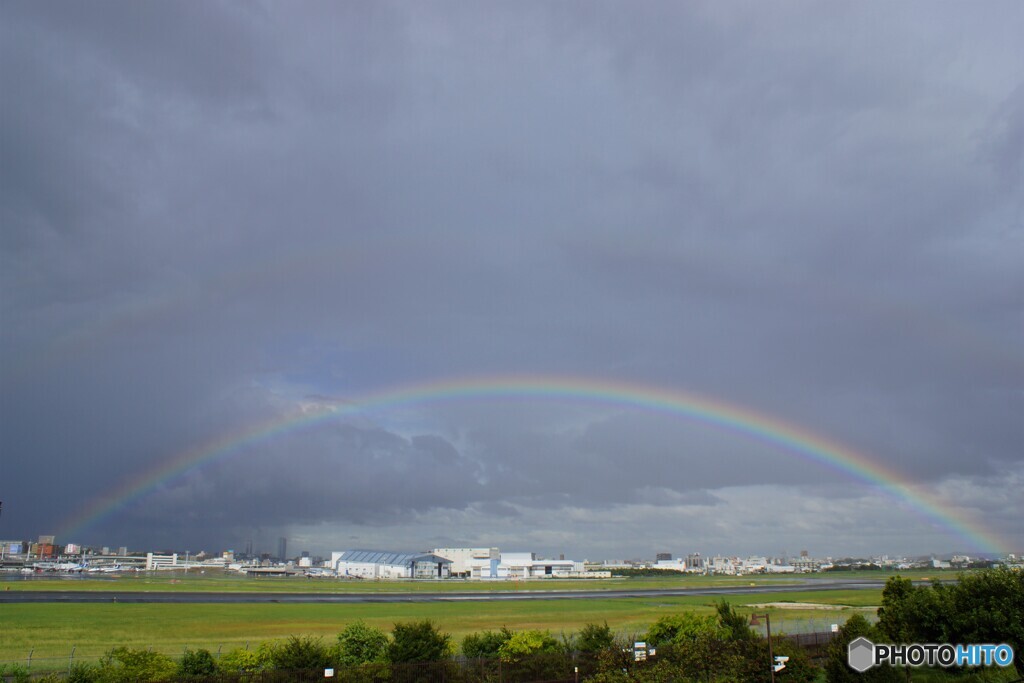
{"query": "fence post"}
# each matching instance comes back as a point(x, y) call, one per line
point(71, 659)
point(30, 658)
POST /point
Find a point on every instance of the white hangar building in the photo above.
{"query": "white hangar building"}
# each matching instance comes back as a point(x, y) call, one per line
point(463, 559)
point(521, 566)
point(381, 564)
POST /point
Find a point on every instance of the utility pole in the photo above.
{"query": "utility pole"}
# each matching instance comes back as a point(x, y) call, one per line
point(755, 621)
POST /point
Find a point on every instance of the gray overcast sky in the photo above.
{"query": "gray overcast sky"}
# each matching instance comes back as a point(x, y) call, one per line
point(216, 214)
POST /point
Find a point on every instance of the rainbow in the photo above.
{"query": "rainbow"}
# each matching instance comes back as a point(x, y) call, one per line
point(730, 417)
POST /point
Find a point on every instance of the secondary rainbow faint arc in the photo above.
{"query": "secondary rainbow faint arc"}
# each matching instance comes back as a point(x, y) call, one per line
point(730, 417)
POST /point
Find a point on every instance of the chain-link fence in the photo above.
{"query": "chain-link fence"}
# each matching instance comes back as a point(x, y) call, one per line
point(548, 668)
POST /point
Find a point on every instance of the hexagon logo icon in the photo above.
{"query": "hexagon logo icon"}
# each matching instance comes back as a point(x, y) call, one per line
point(860, 654)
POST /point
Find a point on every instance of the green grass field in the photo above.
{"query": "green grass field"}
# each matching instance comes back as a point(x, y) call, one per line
point(51, 630)
point(218, 581)
point(236, 583)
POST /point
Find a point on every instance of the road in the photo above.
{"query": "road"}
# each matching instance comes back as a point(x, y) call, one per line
point(16, 596)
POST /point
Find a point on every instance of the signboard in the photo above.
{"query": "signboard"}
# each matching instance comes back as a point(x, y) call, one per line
point(14, 549)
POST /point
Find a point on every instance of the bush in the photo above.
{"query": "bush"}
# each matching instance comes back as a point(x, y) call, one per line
point(14, 672)
point(247, 661)
point(485, 645)
point(359, 643)
point(197, 664)
point(48, 678)
point(301, 653)
point(129, 664)
point(83, 673)
point(660, 672)
point(418, 641)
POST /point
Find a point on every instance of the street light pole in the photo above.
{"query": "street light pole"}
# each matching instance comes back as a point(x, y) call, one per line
point(754, 621)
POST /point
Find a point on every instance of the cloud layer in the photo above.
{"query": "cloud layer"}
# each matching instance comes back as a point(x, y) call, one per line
point(213, 215)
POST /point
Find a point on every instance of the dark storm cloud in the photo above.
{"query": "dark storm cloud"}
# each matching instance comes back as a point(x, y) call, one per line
point(363, 475)
point(215, 213)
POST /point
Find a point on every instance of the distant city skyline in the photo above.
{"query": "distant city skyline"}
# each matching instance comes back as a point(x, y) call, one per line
point(679, 554)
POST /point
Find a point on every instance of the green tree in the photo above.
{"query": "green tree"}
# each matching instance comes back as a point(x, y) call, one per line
point(418, 641)
point(913, 614)
point(694, 642)
point(533, 656)
point(706, 656)
point(360, 643)
point(612, 676)
point(895, 620)
point(593, 638)
point(674, 628)
point(596, 648)
point(754, 663)
point(988, 607)
point(734, 624)
point(836, 668)
point(524, 644)
point(485, 645)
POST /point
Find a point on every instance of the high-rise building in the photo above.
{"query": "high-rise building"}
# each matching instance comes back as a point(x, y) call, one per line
point(282, 548)
point(662, 557)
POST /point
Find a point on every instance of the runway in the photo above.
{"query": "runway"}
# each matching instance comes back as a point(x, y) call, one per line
point(131, 597)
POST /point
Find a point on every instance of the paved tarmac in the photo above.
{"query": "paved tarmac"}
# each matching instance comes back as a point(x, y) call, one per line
point(52, 596)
